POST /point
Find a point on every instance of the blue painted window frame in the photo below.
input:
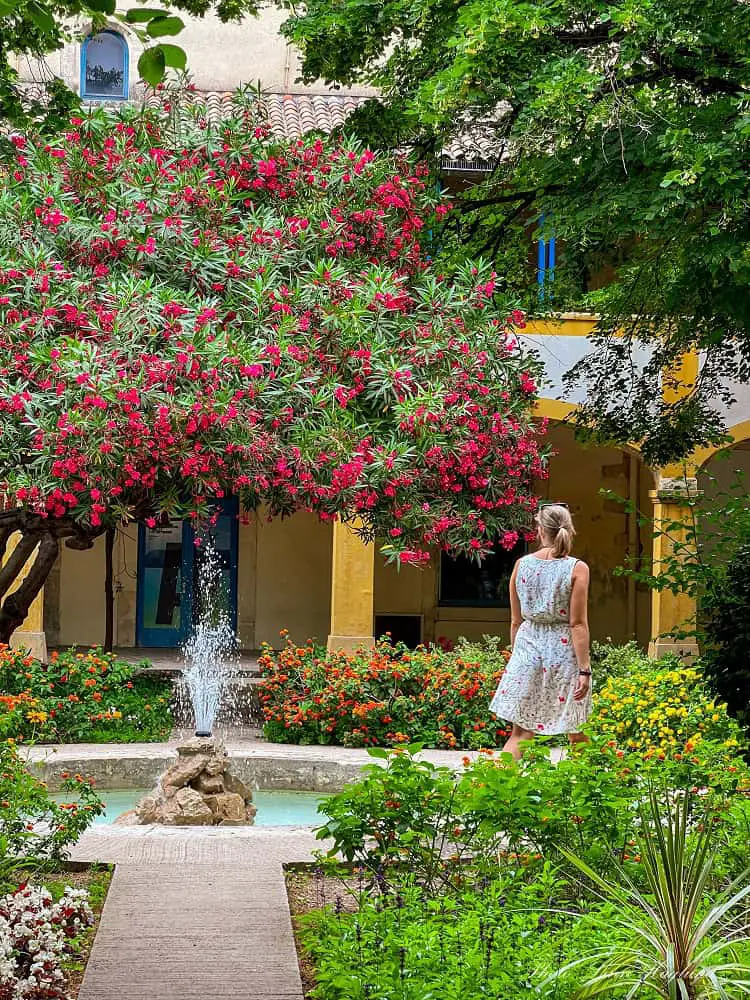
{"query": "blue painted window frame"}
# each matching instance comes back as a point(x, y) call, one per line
point(125, 69)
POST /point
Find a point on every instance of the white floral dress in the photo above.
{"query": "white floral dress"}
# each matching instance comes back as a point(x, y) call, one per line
point(536, 690)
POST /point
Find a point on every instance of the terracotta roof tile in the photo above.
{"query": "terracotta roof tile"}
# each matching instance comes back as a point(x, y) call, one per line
point(293, 115)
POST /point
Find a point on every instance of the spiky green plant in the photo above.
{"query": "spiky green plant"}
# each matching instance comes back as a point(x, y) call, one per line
point(669, 939)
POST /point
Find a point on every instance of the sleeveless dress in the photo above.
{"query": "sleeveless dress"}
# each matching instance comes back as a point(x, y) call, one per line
point(536, 690)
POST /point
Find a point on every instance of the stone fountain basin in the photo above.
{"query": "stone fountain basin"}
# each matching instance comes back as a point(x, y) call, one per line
point(277, 808)
point(259, 765)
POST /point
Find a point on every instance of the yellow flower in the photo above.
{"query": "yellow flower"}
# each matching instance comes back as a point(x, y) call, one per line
point(38, 717)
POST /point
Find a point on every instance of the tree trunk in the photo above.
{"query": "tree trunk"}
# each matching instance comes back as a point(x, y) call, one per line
point(109, 590)
point(16, 606)
point(40, 542)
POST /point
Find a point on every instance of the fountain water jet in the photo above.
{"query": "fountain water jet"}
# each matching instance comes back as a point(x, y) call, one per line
point(211, 646)
point(199, 789)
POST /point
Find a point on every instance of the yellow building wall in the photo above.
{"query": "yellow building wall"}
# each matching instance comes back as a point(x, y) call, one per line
point(81, 592)
point(293, 574)
point(126, 579)
point(82, 596)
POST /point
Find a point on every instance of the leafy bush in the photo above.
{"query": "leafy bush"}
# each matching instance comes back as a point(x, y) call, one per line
point(706, 558)
point(685, 947)
point(725, 609)
point(385, 696)
point(660, 707)
point(488, 940)
point(407, 811)
point(615, 661)
point(80, 697)
point(32, 826)
point(468, 885)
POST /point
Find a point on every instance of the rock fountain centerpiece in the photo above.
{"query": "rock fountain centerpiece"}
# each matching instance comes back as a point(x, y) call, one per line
point(199, 788)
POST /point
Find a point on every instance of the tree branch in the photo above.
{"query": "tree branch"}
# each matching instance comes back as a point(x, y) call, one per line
point(706, 83)
point(16, 606)
point(18, 559)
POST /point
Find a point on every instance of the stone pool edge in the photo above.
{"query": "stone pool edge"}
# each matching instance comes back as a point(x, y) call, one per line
point(264, 766)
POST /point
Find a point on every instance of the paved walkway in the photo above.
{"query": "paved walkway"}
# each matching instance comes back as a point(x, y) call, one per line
point(249, 746)
point(194, 932)
point(195, 914)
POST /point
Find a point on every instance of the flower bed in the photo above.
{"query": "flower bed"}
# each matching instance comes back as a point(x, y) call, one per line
point(660, 707)
point(46, 933)
point(478, 885)
point(80, 697)
point(385, 696)
point(389, 696)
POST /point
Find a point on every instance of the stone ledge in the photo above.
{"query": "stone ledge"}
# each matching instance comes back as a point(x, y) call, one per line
point(261, 766)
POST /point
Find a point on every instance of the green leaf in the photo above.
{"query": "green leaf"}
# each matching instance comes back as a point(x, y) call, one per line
point(151, 65)
point(101, 6)
point(174, 56)
point(7, 7)
point(165, 26)
point(142, 15)
point(378, 752)
point(41, 17)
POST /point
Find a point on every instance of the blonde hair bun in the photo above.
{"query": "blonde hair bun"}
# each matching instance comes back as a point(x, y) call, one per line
point(557, 525)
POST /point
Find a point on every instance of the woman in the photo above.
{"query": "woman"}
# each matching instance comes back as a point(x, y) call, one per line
point(546, 687)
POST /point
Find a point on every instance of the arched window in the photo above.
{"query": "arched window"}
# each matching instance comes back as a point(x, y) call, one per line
point(104, 66)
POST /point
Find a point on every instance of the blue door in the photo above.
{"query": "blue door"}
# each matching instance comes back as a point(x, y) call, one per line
point(168, 572)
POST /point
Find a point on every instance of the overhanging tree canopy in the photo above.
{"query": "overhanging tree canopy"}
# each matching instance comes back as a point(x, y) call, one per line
point(624, 123)
point(186, 313)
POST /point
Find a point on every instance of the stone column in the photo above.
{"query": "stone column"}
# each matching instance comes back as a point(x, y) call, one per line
point(673, 500)
point(352, 590)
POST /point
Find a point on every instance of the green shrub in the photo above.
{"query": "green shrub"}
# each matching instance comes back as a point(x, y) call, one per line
point(34, 828)
point(89, 697)
point(615, 661)
point(407, 811)
point(494, 939)
point(689, 946)
point(384, 696)
point(725, 609)
point(468, 885)
point(660, 708)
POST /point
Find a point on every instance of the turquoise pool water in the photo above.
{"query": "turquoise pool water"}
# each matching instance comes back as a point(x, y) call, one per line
point(275, 808)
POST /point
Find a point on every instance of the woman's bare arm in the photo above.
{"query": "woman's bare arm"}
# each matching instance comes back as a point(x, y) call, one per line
point(579, 626)
point(515, 608)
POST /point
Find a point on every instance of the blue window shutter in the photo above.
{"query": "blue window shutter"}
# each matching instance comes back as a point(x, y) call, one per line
point(545, 265)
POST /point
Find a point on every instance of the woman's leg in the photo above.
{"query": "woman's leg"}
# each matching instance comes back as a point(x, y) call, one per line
point(518, 735)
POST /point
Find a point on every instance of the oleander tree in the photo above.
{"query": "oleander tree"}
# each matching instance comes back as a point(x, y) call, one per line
point(188, 312)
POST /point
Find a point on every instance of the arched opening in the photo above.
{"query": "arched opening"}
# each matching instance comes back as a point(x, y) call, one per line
point(104, 67)
point(473, 602)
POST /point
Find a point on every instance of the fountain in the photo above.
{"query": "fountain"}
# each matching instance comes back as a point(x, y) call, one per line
point(199, 789)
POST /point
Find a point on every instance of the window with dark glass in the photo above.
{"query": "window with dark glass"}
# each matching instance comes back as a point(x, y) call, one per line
point(463, 583)
point(104, 66)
